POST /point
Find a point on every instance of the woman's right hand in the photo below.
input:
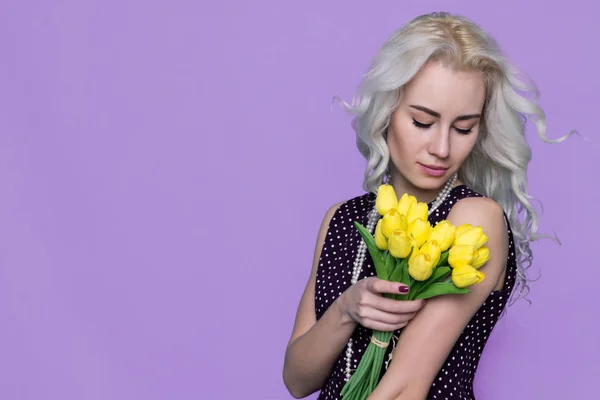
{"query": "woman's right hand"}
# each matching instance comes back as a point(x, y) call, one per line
point(363, 303)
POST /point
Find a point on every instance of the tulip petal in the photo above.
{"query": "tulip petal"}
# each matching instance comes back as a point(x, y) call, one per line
point(483, 256)
point(416, 211)
point(392, 220)
point(466, 275)
point(420, 267)
point(399, 244)
point(419, 229)
point(405, 203)
point(460, 255)
point(444, 233)
point(386, 199)
point(380, 240)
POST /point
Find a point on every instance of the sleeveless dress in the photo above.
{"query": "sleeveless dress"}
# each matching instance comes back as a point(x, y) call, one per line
point(455, 379)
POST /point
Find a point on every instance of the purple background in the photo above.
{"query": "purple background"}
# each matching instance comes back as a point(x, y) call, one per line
point(165, 165)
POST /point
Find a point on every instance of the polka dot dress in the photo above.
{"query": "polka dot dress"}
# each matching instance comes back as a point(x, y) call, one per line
point(455, 379)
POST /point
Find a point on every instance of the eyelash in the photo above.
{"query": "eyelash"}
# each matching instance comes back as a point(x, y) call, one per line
point(427, 126)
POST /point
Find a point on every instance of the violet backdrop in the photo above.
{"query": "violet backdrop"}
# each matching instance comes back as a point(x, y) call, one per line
point(165, 166)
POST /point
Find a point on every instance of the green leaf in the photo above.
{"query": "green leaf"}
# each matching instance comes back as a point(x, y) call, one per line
point(390, 262)
point(396, 275)
point(400, 274)
point(376, 254)
point(366, 235)
point(415, 288)
point(385, 256)
point(444, 258)
point(405, 275)
point(441, 288)
point(438, 274)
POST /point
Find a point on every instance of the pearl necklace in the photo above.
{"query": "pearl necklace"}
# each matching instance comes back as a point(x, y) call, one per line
point(361, 254)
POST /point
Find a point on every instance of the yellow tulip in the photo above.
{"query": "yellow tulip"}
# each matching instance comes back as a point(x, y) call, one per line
point(405, 203)
point(463, 228)
point(399, 244)
point(472, 236)
point(380, 241)
point(444, 234)
point(483, 255)
point(413, 243)
point(416, 211)
point(416, 251)
point(391, 221)
point(461, 255)
point(419, 230)
point(420, 267)
point(432, 249)
point(465, 275)
point(482, 240)
point(386, 199)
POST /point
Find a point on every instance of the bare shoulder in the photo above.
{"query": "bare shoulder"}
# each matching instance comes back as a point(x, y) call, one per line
point(323, 231)
point(330, 213)
point(482, 209)
point(325, 227)
point(489, 215)
point(353, 205)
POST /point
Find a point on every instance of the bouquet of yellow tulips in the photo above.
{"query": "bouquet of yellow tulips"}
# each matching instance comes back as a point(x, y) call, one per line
point(432, 261)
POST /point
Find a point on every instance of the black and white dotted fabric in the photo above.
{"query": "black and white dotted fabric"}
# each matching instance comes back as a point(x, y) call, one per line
point(455, 379)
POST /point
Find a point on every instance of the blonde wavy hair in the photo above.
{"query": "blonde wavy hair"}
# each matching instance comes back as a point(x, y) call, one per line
point(497, 166)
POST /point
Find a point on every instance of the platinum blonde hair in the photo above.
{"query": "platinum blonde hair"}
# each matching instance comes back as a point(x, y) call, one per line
point(497, 166)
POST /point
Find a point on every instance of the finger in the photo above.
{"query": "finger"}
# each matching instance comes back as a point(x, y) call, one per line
point(378, 316)
point(406, 306)
point(397, 306)
point(383, 327)
point(379, 286)
point(392, 319)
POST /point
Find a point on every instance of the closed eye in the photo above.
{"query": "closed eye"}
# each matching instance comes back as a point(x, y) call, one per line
point(421, 125)
point(464, 131)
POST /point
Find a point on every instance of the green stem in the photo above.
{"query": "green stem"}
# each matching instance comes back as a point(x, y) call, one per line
point(366, 376)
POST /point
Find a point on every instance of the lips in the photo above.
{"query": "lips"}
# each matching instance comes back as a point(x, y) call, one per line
point(435, 167)
point(433, 170)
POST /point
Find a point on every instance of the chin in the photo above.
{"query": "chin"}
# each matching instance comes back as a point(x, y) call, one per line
point(431, 182)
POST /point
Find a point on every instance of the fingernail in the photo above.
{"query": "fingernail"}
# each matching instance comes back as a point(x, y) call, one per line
point(404, 289)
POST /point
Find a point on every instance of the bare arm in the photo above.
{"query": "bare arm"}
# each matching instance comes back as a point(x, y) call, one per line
point(314, 347)
point(427, 340)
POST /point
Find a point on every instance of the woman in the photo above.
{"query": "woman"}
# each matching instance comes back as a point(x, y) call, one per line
point(439, 117)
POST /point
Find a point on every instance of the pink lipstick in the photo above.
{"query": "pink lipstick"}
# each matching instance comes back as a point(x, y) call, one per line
point(433, 170)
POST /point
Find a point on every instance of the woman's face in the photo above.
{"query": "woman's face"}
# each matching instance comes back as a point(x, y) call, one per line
point(435, 126)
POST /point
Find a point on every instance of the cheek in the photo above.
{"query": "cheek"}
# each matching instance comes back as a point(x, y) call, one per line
point(398, 147)
point(403, 140)
point(464, 146)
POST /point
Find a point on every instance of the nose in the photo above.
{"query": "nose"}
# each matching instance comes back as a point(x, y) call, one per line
point(439, 144)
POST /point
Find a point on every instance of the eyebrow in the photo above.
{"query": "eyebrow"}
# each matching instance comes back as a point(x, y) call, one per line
point(437, 114)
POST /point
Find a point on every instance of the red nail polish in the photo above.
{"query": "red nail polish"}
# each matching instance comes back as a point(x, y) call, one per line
point(404, 289)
